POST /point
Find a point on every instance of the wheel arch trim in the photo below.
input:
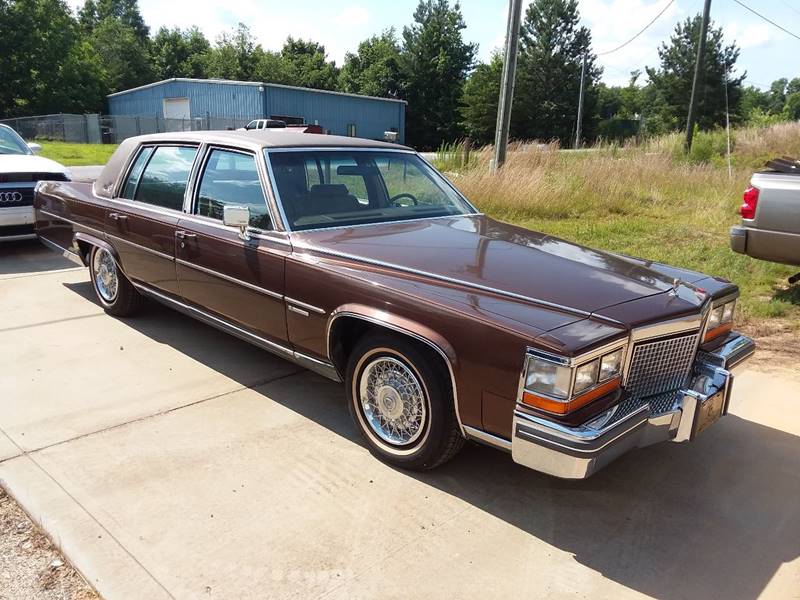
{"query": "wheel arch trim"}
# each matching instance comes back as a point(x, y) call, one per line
point(406, 327)
point(92, 240)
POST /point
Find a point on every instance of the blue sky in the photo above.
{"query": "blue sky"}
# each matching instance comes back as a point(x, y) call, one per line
point(341, 24)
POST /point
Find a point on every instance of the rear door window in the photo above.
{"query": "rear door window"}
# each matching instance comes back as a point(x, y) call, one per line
point(231, 179)
point(163, 182)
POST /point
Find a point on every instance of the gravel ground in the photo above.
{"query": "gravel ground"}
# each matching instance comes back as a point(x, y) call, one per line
point(31, 567)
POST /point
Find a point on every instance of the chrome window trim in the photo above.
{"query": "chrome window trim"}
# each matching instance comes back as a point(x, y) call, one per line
point(411, 334)
point(213, 273)
point(339, 149)
point(132, 160)
point(276, 193)
point(476, 286)
point(414, 220)
point(208, 149)
point(310, 307)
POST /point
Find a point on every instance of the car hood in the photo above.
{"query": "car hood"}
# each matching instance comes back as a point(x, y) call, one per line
point(490, 255)
point(29, 163)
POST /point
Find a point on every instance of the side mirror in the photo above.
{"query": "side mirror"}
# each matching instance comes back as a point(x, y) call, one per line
point(35, 148)
point(237, 216)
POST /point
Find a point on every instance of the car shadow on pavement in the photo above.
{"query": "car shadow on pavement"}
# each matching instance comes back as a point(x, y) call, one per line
point(714, 518)
point(30, 256)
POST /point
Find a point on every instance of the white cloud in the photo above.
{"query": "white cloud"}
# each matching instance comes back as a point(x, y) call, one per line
point(352, 16)
point(752, 35)
point(614, 22)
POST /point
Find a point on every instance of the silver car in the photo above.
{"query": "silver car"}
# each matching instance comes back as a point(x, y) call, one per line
point(770, 228)
point(20, 171)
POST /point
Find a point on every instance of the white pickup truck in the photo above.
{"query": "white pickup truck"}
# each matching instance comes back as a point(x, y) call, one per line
point(770, 228)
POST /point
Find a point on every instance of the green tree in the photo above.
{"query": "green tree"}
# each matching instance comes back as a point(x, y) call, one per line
point(61, 75)
point(552, 47)
point(374, 70)
point(235, 55)
point(93, 12)
point(178, 53)
point(672, 82)
point(791, 109)
point(306, 62)
point(480, 100)
point(434, 62)
point(125, 60)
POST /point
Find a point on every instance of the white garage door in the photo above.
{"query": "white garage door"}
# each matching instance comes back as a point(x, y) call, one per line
point(177, 108)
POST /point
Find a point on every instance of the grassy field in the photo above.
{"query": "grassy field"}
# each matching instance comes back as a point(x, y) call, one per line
point(74, 155)
point(645, 200)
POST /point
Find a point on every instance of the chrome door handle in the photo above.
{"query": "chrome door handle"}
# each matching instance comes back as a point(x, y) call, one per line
point(183, 235)
point(117, 217)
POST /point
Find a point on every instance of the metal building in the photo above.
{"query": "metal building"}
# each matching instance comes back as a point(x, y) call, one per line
point(218, 104)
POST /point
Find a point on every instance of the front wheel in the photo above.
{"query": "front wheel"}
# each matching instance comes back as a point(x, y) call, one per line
point(401, 403)
point(116, 294)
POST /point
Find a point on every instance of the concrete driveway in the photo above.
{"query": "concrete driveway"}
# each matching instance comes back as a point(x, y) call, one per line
point(172, 461)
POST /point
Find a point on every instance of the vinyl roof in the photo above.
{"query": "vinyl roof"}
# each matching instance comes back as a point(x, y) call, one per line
point(269, 138)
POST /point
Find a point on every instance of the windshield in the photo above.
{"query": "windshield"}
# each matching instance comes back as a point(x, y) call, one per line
point(11, 143)
point(334, 188)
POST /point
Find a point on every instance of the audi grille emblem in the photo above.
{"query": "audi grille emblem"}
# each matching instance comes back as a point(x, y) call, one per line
point(10, 197)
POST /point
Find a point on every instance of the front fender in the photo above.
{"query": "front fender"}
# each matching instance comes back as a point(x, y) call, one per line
point(404, 326)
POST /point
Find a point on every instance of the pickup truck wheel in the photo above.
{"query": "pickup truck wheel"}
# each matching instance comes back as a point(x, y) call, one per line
point(115, 293)
point(401, 403)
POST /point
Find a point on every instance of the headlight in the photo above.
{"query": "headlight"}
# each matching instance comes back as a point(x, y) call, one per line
point(611, 365)
point(548, 378)
point(560, 386)
point(715, 318)
point(586, 376)
point(720, 320)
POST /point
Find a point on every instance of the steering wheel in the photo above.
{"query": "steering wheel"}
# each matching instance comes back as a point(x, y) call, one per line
point(393, 200)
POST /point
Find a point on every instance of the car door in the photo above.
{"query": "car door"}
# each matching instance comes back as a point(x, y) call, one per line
point(143, 219)
point(239, 280)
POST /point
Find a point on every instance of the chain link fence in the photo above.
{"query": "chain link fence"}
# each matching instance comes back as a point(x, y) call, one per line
point(108, 129)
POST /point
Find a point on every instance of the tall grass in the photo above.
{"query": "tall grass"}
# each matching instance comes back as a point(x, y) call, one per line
point(645, 199)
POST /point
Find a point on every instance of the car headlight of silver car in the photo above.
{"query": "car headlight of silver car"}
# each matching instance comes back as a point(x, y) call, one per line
point(560, 385)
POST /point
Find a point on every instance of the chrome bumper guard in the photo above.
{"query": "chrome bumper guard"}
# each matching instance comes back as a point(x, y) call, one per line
point(578, 452)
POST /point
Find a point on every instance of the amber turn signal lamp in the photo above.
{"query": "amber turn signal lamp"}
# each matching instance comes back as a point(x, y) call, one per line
point(718, 331)
point(563, 408)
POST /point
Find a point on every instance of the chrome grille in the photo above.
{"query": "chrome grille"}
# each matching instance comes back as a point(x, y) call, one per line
point(661, 365)
point(660, 404)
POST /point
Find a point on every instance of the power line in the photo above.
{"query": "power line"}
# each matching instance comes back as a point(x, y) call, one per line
point(758, 14)
point(646, 27)
point(790, 7)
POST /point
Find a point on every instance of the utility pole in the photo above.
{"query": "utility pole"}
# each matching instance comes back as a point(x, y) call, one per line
point(698, 70)
point(507, 84)
point(579, 127)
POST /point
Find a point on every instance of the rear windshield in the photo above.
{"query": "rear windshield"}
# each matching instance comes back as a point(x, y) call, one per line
point(334, 188)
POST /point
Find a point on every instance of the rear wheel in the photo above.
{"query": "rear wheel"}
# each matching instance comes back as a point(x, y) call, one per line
point(116, 294)
point(401, 403)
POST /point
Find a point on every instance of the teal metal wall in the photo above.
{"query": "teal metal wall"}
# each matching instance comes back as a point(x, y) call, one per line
point(212, 99)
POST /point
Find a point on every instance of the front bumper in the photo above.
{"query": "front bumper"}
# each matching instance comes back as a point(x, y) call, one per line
point(16, 223)
point(578, 452)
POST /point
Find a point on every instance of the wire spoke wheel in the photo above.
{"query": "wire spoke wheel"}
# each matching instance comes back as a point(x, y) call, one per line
point(393, 401)
point(106, 277)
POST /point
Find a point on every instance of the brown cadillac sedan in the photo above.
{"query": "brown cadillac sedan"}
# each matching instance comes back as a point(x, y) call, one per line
point(358, 260)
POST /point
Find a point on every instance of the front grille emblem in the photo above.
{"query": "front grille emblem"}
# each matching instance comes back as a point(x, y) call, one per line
point(10, 197)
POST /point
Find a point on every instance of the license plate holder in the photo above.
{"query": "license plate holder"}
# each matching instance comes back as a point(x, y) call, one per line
point(710, 411)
